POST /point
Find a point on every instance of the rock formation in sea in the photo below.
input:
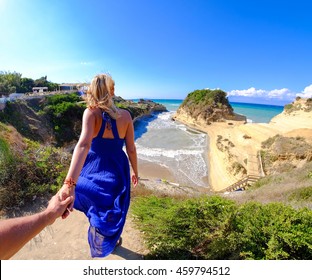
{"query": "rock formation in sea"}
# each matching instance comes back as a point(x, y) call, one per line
point(207, 106)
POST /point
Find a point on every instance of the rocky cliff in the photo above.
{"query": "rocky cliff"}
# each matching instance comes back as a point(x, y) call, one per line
point(207, 106)
point(57, 119)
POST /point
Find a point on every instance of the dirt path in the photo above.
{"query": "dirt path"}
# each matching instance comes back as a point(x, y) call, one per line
point(67, 240)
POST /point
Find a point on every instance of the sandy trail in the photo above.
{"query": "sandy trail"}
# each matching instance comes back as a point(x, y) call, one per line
point(67, 240)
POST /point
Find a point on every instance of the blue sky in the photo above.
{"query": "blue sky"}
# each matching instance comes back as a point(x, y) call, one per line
point(257, 51)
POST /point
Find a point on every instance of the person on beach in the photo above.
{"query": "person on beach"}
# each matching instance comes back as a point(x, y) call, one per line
point(99, 173)
point(16, 232)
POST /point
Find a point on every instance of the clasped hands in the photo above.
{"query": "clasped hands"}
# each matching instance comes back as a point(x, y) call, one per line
point(68, 190)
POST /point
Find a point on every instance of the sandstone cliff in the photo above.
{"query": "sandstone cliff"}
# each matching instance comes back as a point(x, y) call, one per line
point(207, 106)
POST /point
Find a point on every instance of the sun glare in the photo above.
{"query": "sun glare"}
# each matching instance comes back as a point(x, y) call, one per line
point(2, 5)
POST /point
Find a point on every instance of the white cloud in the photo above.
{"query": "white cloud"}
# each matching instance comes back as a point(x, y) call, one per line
point(283, 94)
point(279, 93)
point(86, 63)
point(307, 92)
point(246, 92)
point(253, 92)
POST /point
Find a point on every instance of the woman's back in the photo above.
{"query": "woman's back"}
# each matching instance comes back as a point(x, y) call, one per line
point(122, 123)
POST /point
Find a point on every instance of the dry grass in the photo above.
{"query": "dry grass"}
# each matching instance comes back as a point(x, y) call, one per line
point(284, 187)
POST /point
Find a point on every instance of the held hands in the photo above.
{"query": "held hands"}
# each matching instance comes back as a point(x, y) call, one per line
point(68, 190)
point(57, 207)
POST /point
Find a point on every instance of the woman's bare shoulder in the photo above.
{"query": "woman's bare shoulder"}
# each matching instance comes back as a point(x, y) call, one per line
point(125, 114)
point(92, 114)
point(92, 111)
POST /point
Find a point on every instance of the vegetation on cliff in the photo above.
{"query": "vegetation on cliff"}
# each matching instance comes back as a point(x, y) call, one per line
point(52, 119)
point(299, 104)
point(56, 119)
point(209, 105)
point(28, 169)
point(282, 154)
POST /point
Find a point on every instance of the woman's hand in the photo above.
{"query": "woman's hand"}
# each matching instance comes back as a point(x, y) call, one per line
point(135, 180)
point(64, 192)
point(57, 207)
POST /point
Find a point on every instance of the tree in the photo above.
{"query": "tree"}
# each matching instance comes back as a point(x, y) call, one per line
point(9, 82)
point(26, 85)
point(41, 82)
point(13, 82)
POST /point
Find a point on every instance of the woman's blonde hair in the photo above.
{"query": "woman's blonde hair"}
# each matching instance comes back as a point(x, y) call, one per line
point(100, 94)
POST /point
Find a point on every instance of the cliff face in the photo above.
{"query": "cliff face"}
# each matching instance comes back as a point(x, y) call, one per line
point(207, 106)
point(25, 118)
point(57, 119)
point(139, 109)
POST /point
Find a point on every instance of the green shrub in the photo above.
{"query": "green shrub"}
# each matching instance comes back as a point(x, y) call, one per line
point(216, 228)
point(272, 231)
point(6, 161)
point(175, 229)
point(36, 171)
point(65, 112)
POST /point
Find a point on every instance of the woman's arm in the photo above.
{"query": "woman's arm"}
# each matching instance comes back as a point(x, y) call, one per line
point(16, 232)
point(131, 150)
point(79, 156)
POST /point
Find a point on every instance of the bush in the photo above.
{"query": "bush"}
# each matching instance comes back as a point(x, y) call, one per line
point(272, 231)
point(65, 112)
point(6, 161)
point(216, 228)
point(37, 171)
point(175, 229)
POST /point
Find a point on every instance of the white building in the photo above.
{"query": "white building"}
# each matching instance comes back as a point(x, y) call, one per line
point(39, 89)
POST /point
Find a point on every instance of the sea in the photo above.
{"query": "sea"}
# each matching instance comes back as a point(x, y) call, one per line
point(180, 149)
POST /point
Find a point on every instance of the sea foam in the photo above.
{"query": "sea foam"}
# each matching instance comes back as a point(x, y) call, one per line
point(183, 151)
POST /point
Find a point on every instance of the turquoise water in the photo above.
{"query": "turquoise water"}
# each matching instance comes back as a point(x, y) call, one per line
point(257, 113)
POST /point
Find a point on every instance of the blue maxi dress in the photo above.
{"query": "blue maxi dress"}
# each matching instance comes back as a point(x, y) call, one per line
point(103, 189)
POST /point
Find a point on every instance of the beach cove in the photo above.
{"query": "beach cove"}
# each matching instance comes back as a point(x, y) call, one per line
point(246, 139)
point(178, 152)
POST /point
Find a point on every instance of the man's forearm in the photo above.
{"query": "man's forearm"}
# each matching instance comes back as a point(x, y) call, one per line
point(16, 232)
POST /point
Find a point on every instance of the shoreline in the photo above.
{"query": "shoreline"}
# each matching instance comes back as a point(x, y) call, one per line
point(161, 179)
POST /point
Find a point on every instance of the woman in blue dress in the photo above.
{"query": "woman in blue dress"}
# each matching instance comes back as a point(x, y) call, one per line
point(99, 173)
